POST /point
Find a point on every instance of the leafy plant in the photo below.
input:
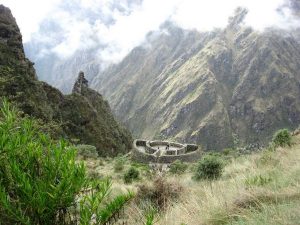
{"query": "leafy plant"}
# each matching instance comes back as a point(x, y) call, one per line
point(210, 167)
point(282, 138)
point(178, 167)
point(131, 174)
point(40, 183)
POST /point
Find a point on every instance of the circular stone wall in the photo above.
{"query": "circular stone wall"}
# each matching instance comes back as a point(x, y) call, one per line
point(164, 152)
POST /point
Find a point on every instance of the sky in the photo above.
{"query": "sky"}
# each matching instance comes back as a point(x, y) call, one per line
point(121, 25)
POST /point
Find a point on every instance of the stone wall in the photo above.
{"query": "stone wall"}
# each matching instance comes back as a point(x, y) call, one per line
point(185, 153)
point(189, 157)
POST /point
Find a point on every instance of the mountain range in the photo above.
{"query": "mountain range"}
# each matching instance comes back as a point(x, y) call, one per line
point(233, 86)
point(228, 87)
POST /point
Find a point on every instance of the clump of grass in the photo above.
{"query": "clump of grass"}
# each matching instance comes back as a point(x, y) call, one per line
point(258, 180)
point(178, 167)
point(267, 158)
point(150, 217)
point(210, 167)
point(119, 164)
point(282, 138)
point(131, 175)
point(159, 193)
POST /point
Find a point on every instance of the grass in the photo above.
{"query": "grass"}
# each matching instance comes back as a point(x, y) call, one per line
point(261, 188)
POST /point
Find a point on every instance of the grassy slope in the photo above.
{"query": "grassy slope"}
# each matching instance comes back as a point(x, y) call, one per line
point(262, 188)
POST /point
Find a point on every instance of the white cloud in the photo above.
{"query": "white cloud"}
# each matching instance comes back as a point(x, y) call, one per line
point(30, 13)
point(133, 19)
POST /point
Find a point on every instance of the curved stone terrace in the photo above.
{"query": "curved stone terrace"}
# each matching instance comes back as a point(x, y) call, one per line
point(164, 151)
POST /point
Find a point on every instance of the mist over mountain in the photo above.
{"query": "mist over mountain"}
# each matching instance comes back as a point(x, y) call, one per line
point(90, 35)
point(232, 86)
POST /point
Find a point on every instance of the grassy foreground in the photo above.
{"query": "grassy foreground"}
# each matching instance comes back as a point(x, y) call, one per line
point(262, 188)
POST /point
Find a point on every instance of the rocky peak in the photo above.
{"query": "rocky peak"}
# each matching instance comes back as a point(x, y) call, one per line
point(9, 32)
point(11, 46)
point(238, 17)
point(80, 83)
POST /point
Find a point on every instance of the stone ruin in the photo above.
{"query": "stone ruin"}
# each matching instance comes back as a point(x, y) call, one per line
point(164, 152)
point(80, 83)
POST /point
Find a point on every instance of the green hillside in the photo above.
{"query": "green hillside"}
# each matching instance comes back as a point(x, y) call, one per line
point(83, 116)
point(232, 86)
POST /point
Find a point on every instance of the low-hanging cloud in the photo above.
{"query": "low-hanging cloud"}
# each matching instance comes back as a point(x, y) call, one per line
point(116, 27)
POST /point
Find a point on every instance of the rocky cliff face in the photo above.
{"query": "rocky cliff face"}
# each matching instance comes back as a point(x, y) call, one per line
point(83, 115)
point(230, 86)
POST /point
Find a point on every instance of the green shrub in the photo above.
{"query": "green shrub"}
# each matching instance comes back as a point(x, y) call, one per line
point(40, 182)
point(130, 175)
point(282, 138)
point(178, 167)
point(209, 167)
point(119, 164)
point(87, 151)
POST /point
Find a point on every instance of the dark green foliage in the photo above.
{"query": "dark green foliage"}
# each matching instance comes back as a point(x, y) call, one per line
point(40, 181)
point(178, 167)
point(210, 167)
point(282, 138)
point(131, 175)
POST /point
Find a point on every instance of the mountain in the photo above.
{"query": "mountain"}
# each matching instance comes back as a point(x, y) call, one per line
point(232, 86)
point(82, 115)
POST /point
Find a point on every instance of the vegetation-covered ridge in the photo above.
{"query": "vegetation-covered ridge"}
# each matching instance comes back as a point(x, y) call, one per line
point(84, 116)
point(231, 86)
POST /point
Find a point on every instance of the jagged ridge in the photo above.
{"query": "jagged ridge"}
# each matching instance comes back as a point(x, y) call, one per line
point(230, 86)
point(82, 115)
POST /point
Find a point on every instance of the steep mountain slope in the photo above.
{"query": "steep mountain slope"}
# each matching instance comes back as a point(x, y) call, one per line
point(216, 89)
point(83, 115)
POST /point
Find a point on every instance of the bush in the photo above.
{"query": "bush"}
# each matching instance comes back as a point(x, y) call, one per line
point(87, 151)
point(178, 167)
point(131, 174)
point(210, 167)
point(159, 193)
point(119, 164)
point(282, 138)
point(40, 181)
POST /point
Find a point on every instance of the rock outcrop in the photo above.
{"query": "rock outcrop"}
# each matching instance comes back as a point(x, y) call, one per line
point(83, 115)
point(81, 83)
